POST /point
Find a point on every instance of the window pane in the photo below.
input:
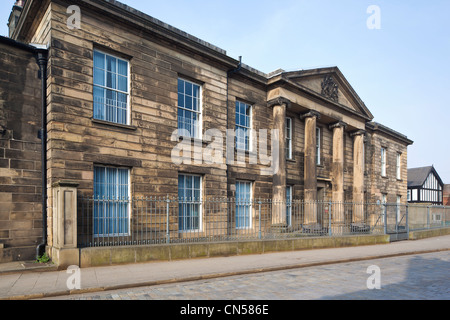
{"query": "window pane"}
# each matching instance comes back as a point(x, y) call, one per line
point(288, 204)
point(123, 84)
point(188, 185)
point(122, 108)
point(99, 103)
point(181, 188)
point(242, 108)
point(111, 81)
point(197, 182)
point(247, 110)
point(111, 106)
point(99, 77)
point(188, 103)
point(180, 86)
point(180, 100)
point(195, 104)
point(196, 91)
point(99, 60)
point(123, 68)
point(111, 64)
point(188, 87)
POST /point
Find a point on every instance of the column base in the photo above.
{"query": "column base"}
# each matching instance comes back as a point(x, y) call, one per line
point(65, 258)
point(315, 228)
point(279, 228)
point(360, 228)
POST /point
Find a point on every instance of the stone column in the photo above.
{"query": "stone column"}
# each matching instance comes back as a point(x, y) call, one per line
point(310, 166)
point(358, 176)
point(337, 171)
point(64, 251)
point(279, 179)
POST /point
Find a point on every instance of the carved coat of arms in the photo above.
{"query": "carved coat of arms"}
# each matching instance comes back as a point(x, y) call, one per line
point(330, 88)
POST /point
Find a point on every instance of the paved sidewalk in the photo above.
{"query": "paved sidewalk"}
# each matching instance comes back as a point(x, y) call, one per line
point(39, 284)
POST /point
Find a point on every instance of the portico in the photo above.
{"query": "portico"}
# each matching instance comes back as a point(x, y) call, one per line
point(331, 128)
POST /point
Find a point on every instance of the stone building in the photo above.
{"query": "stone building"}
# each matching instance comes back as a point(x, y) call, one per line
point(121, 83)
point(20, 151)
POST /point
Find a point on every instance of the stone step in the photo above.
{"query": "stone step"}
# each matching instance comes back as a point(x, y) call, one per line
point(401, 236)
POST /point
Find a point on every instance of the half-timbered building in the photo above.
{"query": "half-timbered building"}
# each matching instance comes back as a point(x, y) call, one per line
point(425, 186)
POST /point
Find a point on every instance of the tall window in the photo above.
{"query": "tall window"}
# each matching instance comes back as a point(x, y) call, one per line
point(288, 138)
point(190, 197)
point(383, 162)
point(111, 88)
point(243, 204)
point(243, 126)
point(111, 201)
point(189, 108)
point(318, 146)
point(399, 166)
point(289, 205)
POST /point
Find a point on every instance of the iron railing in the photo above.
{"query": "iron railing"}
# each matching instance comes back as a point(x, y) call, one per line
point(145, 221)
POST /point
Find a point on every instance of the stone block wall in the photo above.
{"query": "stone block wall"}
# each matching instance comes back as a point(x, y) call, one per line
point(376, 184)
point(20, 154)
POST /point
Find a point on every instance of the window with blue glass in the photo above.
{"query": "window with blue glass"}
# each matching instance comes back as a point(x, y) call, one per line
point(289, 205)
point(111, 201)
point(243, 125)
point(189, 208)
point(111, 88)
point(288, 138)
point(243, 204)
point(189, 109)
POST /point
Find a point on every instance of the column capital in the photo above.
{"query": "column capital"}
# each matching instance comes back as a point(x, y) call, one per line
point(310, 114)
point(358, 133)
point(339, 124)
point(65, 184)
point(279, 102)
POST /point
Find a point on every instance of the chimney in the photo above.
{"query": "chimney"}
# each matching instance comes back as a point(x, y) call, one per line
point(15, 15)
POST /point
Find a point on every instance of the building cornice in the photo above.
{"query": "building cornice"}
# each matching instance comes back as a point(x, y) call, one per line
point(377, 127)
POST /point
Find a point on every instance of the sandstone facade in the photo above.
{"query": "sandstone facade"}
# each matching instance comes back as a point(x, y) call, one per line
point(335, 153)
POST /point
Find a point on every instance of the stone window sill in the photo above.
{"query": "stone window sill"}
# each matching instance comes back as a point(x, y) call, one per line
point(113, 124)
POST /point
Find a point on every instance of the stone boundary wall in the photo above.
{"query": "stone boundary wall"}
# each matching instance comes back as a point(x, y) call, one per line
point(95, 257)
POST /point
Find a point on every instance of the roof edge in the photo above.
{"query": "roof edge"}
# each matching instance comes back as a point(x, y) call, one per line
point(375, 126)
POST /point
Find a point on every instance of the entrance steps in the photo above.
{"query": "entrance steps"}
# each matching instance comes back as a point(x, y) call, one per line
point(401, 236)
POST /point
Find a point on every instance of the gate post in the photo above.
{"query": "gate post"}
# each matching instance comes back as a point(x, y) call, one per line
point(407, 219)
point(167, 220)
point(330, 233)
point(64, 251)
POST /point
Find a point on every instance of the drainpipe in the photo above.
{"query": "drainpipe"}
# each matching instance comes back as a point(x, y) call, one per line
point(42, 60)
point(229, 73)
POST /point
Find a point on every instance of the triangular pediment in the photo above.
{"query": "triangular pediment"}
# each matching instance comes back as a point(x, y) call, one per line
point(331, 85)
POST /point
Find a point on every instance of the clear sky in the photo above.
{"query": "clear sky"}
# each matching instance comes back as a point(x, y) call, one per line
point(401, 71)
